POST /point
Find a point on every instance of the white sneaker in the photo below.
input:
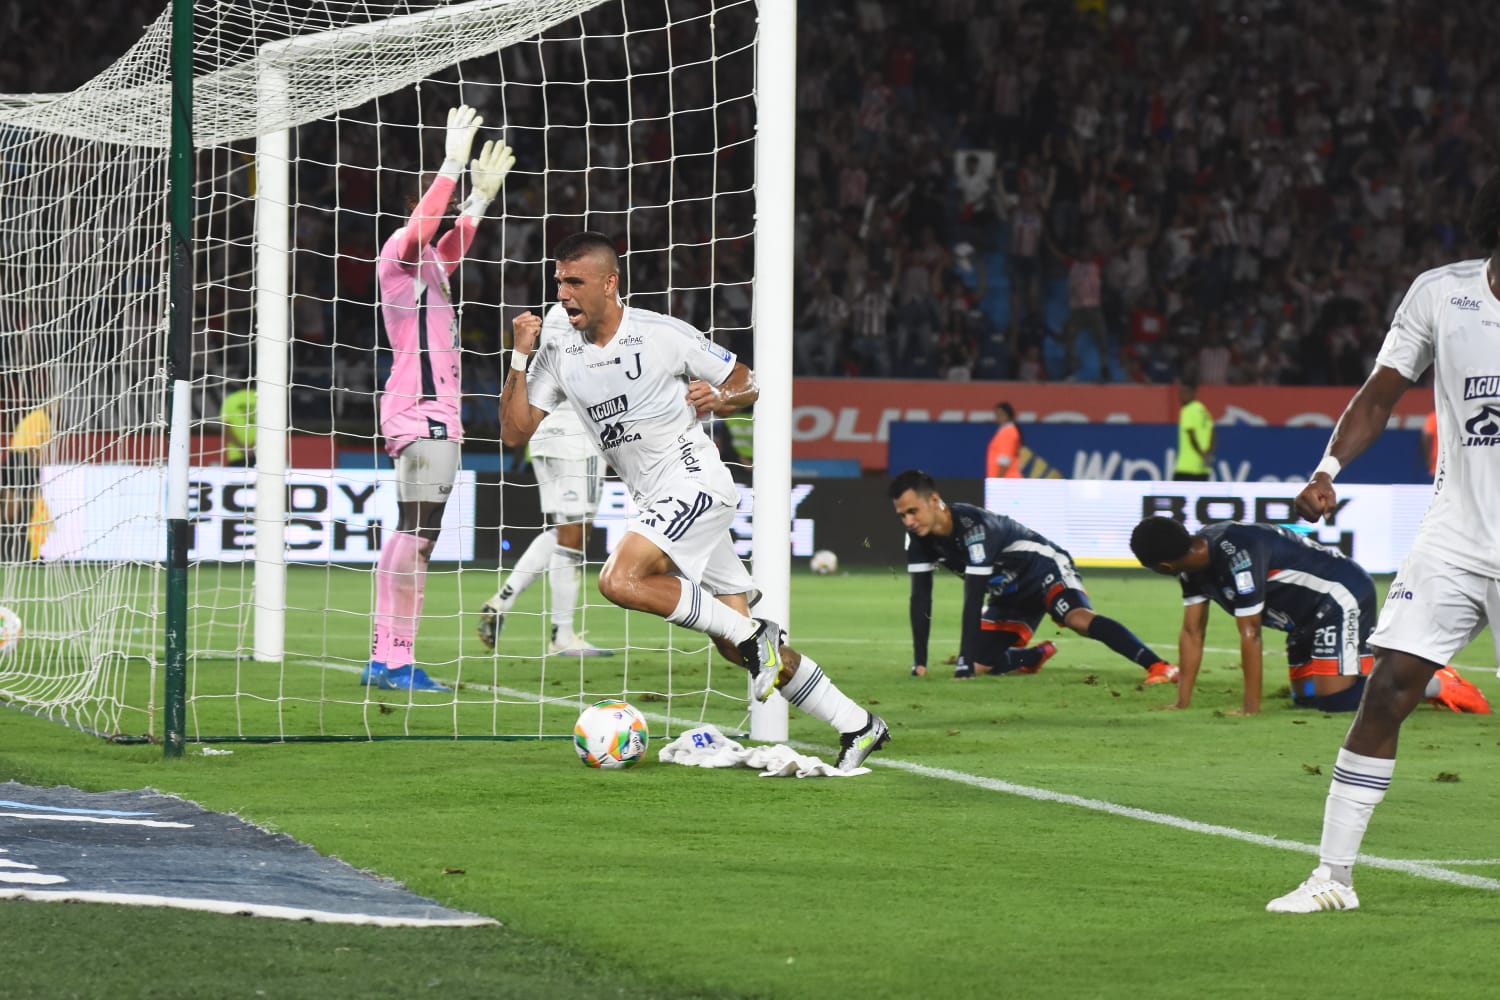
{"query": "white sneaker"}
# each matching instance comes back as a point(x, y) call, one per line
point(576, 646)
point(1320, 892)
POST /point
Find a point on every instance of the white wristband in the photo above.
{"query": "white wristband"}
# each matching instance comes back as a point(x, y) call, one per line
point(1330, 465)
point(452, 169)
point(475, 205)
point(518, 361)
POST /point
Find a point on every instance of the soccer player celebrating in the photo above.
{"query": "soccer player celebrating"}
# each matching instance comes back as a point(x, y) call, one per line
point(569, 474)
point(1443, 592)
point(1012, 576)
point(1268, 574)
point(639, 381)
point(419, 407)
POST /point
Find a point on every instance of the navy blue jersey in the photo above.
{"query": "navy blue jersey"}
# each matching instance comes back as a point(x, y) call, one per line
point(1007, 568)
point(1272, 570)
point(987, 544)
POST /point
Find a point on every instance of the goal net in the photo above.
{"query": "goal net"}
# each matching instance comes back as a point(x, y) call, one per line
point(314, 126)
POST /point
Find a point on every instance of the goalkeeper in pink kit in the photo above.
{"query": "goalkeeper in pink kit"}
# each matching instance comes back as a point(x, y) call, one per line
point(419, 405)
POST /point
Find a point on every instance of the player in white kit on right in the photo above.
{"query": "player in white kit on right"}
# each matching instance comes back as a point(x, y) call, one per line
point(1448, 586)
point(569, 478)
point(640, 380)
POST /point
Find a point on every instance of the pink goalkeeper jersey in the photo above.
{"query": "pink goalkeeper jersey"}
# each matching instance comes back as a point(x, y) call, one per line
point(421, 396)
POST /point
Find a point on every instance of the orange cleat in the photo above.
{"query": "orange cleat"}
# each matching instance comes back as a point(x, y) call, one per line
point(1459, 695)
point(1161, 672)
point(1048, 652)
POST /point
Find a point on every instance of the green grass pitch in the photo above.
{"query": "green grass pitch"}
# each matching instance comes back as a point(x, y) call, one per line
point(1048, 836)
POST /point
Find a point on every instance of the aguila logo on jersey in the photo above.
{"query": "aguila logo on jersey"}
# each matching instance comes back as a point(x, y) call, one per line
point(1481, 386)
point(1483, 428)
point(1465, 303)
point(1399, 592)
point(613, 407)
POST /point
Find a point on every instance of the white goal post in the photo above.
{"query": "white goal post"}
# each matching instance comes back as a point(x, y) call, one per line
point(307, 121)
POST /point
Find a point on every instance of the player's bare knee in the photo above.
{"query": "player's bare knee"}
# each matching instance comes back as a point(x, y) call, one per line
point(1395, 687)
point(616, 586)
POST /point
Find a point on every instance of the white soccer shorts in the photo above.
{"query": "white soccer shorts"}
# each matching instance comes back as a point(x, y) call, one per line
point(425, 470)
point(692, 526)
point(568, 488)
point(1434, 609)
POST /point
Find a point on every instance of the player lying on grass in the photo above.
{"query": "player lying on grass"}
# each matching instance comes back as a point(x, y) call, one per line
point(419, 404)
point(1269, 575)
point(1012, 577)
point(639, 381)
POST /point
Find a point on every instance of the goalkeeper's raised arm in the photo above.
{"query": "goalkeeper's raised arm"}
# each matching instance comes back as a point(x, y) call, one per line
point(486, 174)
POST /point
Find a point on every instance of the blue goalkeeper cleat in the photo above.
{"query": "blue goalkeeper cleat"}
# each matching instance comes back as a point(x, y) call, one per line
point(409, 679)
point(372, 675)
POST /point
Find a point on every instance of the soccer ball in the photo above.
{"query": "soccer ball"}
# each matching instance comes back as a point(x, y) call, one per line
point(823, 562)
point(610, 734)
point(10, 630)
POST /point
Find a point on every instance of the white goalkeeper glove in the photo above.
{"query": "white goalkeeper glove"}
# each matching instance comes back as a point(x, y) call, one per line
point(458, 139)
point(486, 174)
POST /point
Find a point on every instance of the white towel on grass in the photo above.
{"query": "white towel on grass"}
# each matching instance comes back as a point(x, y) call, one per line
point(707, 747)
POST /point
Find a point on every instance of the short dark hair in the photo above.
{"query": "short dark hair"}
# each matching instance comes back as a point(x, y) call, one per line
point(582, 244)
point(1484, 215)
point(1010, 411)
point(1159, 539)
point(915, 480)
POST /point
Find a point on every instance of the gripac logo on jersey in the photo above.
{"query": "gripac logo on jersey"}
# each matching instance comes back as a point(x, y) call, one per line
point(1465, 303)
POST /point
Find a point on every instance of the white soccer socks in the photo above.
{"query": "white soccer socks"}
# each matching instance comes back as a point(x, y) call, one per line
point(1358, 785)
point(700, 611)
point(532, 564)
point(812, 691)
point(562, 584)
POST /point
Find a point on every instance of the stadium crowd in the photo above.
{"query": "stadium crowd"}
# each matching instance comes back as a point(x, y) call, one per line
point(986, 189)
point(1238, 190)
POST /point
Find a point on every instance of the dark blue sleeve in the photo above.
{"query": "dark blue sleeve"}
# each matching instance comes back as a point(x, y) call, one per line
point(975, 588)
point(1247, 571)
point(920, 610)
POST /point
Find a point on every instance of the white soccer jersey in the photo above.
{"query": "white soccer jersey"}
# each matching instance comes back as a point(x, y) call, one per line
point(631, 397)
point(561, 433)
point(1450, 321)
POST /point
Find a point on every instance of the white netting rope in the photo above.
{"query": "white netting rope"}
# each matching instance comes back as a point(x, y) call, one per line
point(83, 244)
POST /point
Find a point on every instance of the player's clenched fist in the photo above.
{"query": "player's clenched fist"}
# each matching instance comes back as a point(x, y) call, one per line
point(1317, 499)
point(705, 399)
point(525, 331)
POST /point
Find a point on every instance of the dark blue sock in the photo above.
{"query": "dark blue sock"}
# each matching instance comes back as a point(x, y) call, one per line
point(1122, 641)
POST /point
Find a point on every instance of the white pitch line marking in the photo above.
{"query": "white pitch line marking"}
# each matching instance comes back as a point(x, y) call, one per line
point(1421, 869)
point(1427, 869)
